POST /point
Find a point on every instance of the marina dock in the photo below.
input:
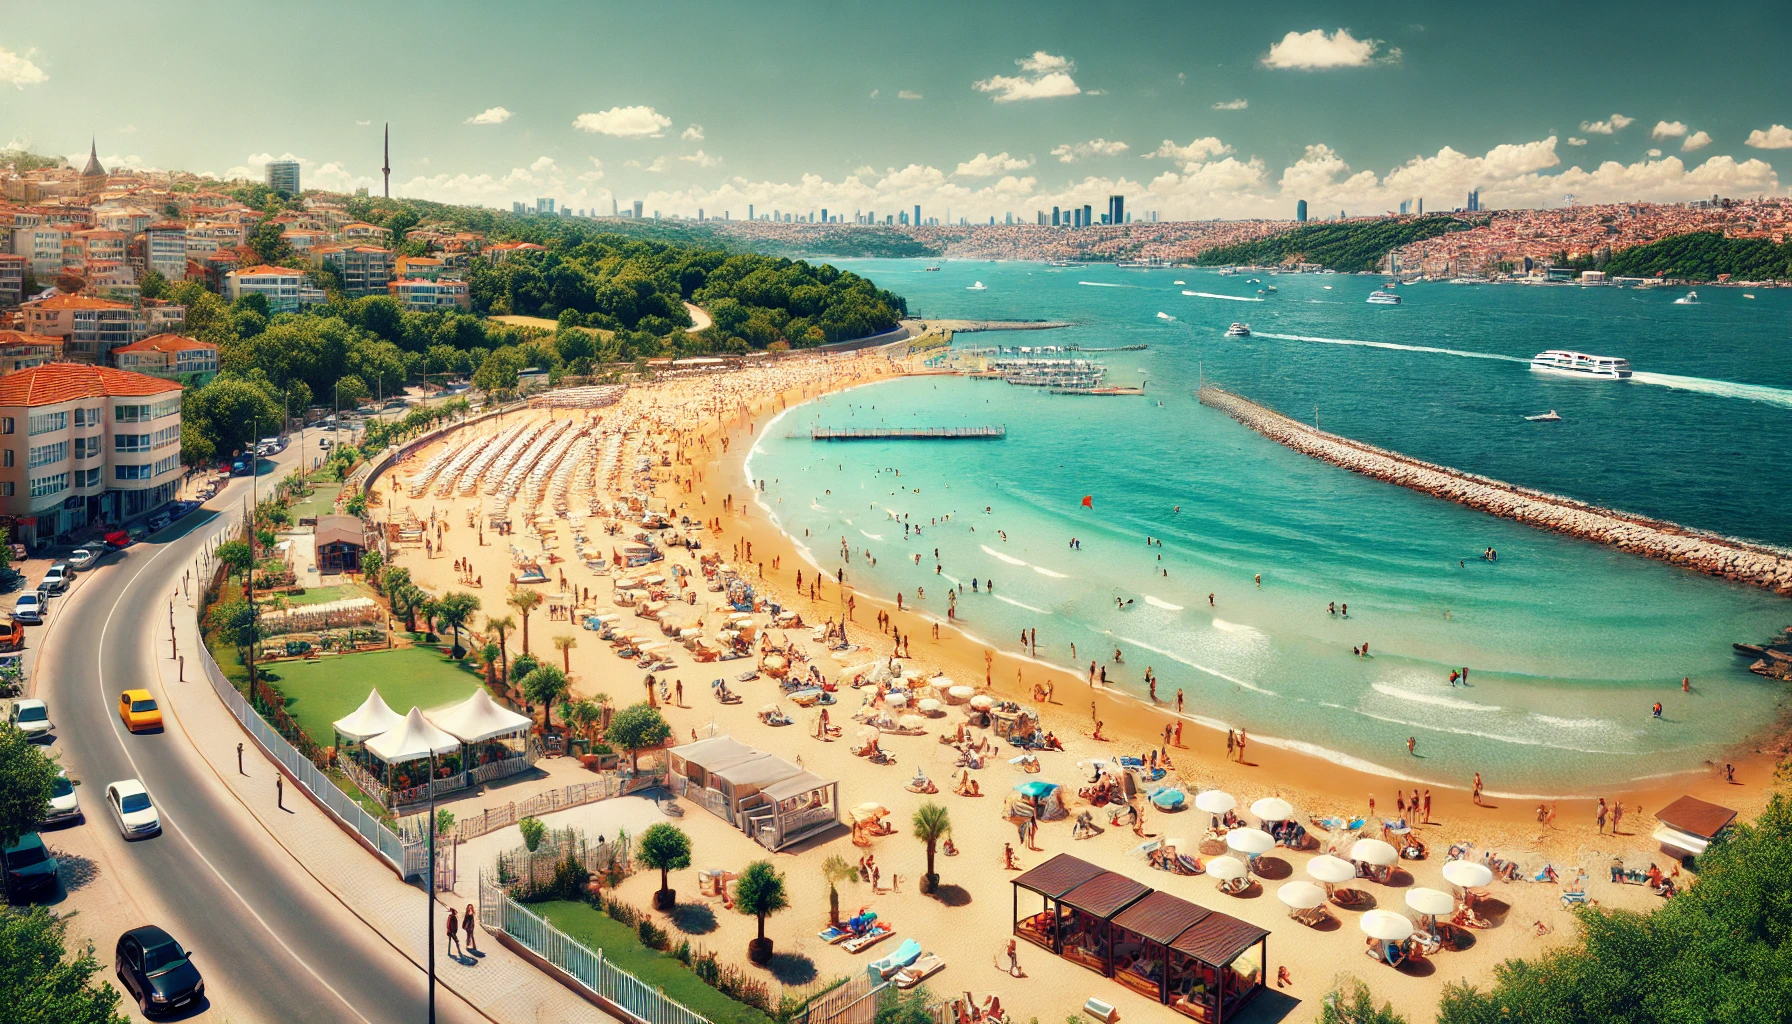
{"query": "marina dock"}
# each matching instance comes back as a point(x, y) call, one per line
point(906, 433)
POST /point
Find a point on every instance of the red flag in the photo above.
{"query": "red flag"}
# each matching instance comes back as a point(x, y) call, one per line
point(1088, 501)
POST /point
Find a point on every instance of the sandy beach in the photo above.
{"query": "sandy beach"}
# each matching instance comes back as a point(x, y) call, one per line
point(688, 440)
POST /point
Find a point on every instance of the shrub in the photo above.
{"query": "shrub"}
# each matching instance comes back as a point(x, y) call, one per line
point(533, 829)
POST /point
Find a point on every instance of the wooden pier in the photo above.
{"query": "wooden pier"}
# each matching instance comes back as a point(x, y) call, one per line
point(906, 433)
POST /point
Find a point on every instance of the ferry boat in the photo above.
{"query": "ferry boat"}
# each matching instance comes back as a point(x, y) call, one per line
point(1238, 330)
point(1148, 263)
point(1580, 364)
point(1381, 298)
point(1062, 263)
point(1689, 299)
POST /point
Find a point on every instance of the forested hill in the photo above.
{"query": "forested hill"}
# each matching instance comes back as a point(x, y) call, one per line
point(1702, 256)
point(1344, 246)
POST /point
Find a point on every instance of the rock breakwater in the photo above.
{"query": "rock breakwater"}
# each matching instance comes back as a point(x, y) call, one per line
point(1713, 554)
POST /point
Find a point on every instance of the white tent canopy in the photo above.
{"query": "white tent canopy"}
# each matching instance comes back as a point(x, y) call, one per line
point(412, 740)
point(369, 720)
point(480, 718)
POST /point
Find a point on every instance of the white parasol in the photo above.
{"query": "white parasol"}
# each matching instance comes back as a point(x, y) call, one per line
point(1215, 801)
point(983, 702)
point(1430, 901)
point(1250, 840)
point(1273, 808)
point(1386, 925)
point(1374, 851)
point(928, 706)
point(1467, 873)
point(1301, 895)
point(896, 700)
point(1328, 868)
point(960, 694)
point(1227, 868)
point(911, 722)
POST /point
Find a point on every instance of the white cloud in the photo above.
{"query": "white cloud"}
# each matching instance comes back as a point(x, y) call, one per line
point(693, 133)
point(129, 129)
point(626, 122)
point(874, 93)
point(1667, 130)
point(909, 94)
point(702, 159)
point(1096, 92)
point(1695, 141)
point(1045, 76)
point(1231, 104)
point(1654, 153)
point(542, 163)
point(1316, 50)
point(1072, 152)
point(490, 115)
point(1617, 123)
point(985, 166)
point(363, 123)
point(1777, 137)
point(1572, 141)
point(1195, 152)
point(17, 70)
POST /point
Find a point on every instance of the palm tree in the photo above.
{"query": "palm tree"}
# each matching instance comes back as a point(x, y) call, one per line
point(837, 869)
point(760, 892)
point(524, 601)
point(544, 686)
point(583, 714)
point(430, 608)
point(564, 643)
point(501, 627)
point(488, 657)
point(455, 609)
point(931, 823)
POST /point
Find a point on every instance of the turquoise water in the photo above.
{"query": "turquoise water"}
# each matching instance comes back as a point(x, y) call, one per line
point(1568, 644)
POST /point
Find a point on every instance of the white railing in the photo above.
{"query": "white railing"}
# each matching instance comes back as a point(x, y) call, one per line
point(587, 967)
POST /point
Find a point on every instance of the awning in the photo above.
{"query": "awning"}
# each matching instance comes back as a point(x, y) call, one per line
point(759, 772)
point(1105, 895)
point(1696, 817)
point(1161, 917)
point(1058, 876)
point(1218, 939)
point(1679, 840)
point(412, 740)
point(370, 719)
point(480, 718)
point(796, 785)
point(713, 749)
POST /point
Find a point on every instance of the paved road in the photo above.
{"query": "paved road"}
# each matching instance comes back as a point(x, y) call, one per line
point(273, 944)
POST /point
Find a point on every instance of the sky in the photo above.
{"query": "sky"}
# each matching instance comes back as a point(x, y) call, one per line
point(1190, 109)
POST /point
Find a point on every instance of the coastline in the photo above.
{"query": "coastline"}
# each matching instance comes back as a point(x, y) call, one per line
point(1318, 780)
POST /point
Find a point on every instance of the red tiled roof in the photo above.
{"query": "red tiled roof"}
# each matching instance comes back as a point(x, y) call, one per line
point(265, 269)
point(64, 382)
point(164, 343)
point(21, 338)
point(76, 302)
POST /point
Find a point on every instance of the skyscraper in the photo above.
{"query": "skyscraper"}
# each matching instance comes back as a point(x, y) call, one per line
point(917, 221)
point(637, 209)
point(1055, 217)
point(749, 211)
point(1421, 206)
point(1300, 211)
point(1474, 201)
point(283, 176)
point(1116, 209)
point(824, 215)
point(386, 168)
point(1088, 212)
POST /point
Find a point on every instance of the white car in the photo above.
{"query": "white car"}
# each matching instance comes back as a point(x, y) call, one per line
point(29, 608)
point(64, 804)
point(31, 717)
point(132, 810)
point(84, 558)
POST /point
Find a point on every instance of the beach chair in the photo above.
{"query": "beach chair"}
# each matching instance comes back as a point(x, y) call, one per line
point(905, 954)
point(919, 971)
point(1573, 897)
point(859, 943)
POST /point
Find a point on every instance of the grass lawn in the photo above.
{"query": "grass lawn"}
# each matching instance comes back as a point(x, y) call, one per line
point(322, 502)
point(623, 948)
point(321, 595)
point(320, 691)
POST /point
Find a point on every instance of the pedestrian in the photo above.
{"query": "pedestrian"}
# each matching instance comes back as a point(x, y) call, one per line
point(1617, 816)
point(1179, 702)
point(1241, 746)
point(1013, 960)
point(239, 760)
point(1477, 790)
point(454, 935)
point(1371, 806)
point(1231, 744)
point(1427, 807)
point(280, 792)
point(1686, 684)
point(1599, 814)
point(1400, 802)
point(466, 918)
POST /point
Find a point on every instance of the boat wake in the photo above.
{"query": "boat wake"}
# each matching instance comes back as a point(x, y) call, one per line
point(1104, 284)
point(1392, 345)
point(1228, 298)
point(1722, 388)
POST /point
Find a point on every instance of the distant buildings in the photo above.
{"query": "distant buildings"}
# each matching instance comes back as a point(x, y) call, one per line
point(279, 284)
point(361, 270)
point(283, 176)
point(1474, 201)
point(1116, 209)
point(90, 327)
point(21, 351)
point(425, 294)
point(1300, 211)
point(164, 249)
point(637, 209)
point(171, 357)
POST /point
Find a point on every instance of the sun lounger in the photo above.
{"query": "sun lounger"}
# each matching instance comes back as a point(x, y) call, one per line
point(878, 933)
point(1569, 899)
point(919, 971)
point(833, 935)
point(905, 954)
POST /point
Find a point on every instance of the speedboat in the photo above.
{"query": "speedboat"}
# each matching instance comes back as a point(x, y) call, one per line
point(1548, 417)
point(977, 287)
point(1381, 298)
point(1580, 364)
point(1238, 330)
point(1689, 299)
point(930, 270)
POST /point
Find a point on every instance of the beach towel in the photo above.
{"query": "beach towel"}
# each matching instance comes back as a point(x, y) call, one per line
point(877, 934)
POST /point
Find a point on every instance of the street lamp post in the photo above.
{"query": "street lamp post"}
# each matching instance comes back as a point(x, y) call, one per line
point(429, 887)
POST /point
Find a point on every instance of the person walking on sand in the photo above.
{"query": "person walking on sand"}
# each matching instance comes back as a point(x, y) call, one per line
point(1411, 742)
point(1231, 744)
point(454, 936)
point(1241, 746)
point(1617, 816)
point(1179, 734)
point(1686, 684)
point(1427, 807)
point(1259, 581)
point(1599, 814)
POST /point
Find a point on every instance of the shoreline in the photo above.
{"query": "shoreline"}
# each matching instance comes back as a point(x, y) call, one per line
point(1322, 781)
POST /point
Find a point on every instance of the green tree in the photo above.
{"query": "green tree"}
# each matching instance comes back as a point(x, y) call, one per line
point(501, 626)
point(524, 601)
point(351, 391)
point(931, 824)
point(837, 869)
point(666, 848)
point(236, 555)
point(635, 728)
point(1350, 1002)
point(26, 776)
point(153, 285)
point(455, 609)
point(39, 981)
point(497, 375)
point(533, 829)
point(545, 685)
point(759, 892)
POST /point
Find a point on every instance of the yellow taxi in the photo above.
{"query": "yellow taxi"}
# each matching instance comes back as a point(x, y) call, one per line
point(138, 710)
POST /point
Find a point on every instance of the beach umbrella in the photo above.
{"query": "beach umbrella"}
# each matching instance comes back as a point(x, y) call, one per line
point(1301, 895)
point(983, 702)
point(868, 733)
point(911, 722)
point(1215, 801)
point(773, 663)
point(1385, 925)
point(868, 811)
point(960, 694)
point(1175, 843)
point(1430, 901)
point(1273, 808)
point(1467, 873)
point(941, 683)
point(769, 709)
point(929, 706)
point(1250, 840)
point(1330, 869)
point(1374, 851)
point(1227, 868)
point(896, 700)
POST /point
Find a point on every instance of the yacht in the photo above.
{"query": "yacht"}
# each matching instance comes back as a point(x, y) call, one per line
point(1689, 299)
point(1238, 330)
point(977, 287)
point(1580, 364)
point(1546, 417)
point(1062, 263)
point(1270, 288)
point(1381, 298)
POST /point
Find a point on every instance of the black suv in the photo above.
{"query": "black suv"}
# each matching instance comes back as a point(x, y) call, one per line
point(156, 971)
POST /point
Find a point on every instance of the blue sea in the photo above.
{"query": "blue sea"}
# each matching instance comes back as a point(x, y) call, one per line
point(1568, 644)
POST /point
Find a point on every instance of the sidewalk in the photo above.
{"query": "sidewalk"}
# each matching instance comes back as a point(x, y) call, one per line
point(496, 982)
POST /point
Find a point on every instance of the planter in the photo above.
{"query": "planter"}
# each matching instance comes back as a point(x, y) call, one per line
point(759, 950)
point(665, 899)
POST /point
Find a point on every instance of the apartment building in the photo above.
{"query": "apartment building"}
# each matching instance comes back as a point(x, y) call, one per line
point(165, 249)
point(280, 284)
point(168, 356)
point(41, 245)
point(81, 444)
point(362, 269)
point(12, 279)
point(89, 327)
point(21, 351)
point(423, 294)
point(99, 245)
point(413, 268)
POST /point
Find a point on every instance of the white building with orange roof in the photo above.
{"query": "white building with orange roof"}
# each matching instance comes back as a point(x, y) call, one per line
point(21, 351)
point(362, 270)
point(425, 295)
point(280, 285)
point(363, 231)
point(169, 356)
point(89, 327)
point(100, 244)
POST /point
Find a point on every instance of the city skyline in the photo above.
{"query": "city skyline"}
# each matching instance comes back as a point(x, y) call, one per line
point(1184, 114)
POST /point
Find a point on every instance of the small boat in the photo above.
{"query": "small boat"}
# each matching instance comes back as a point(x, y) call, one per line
point(1238, 330)
point(1326, 287)
point(1270, 288)
point(929, 270)
point(1689, 299)
point(1748, 295)
point(1178, 282)
point(977, 287)
point(1381, 298)
point(1548, 417)
point(1165, 316)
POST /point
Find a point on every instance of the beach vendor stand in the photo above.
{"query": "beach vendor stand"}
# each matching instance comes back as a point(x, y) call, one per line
point(394, 753)
point(1688, 825)
point(353, 730)
point(494, 739)
point(1049, 881)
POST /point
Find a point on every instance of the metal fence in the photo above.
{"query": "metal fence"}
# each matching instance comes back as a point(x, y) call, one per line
point(585, 966)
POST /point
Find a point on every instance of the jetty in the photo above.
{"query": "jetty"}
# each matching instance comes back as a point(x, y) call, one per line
point(1109, 390)
point(907, 433)
point(1730, 558)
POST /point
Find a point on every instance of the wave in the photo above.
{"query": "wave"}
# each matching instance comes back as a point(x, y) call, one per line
point(1233, 627)
point(1010, 559)
point(1214, 672)
point(1390, 345)
point(1521, 741)
point(1721, 388)
point(1571, 723)
point(1017, 604)
point(1229, 298)
point(1041, 570)
point(1158, 602)
point(1104, 284)
point(873, 536)
point(1399, 693)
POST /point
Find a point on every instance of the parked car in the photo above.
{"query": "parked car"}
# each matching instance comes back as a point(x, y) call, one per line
point(31, 717)
point(160, 520)
point(138, 710)
point(29, 608)
point(65, 806)
point(85, 556)
point(179, 509)
point(118, 539)
point(325, 443)
point(272, 444)
point(132, 810)
point(55, 579)
point(156, 971)
point(30, 870)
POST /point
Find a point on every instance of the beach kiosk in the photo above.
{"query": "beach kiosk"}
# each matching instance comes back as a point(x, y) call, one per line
point(791, 810)
point(340, 540)
point(1688, 825)
point(394, 755)
point(1212, 972)
point(1084, 930)
point(767, 797)
point(1049, 881)
point(494, 740)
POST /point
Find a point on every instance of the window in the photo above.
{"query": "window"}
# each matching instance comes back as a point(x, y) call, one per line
point(124, 414)
point(5, 424)
point(48, 454)
point(130, 442)
point(6, 458)
point(48, 421)
point(166, 407)
point(87, 417)
point(6, 489)
point(167, 465)
point(87, 477)
point(88, 447)
point(166, 436)
point(49, 485)
point(127, 473)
